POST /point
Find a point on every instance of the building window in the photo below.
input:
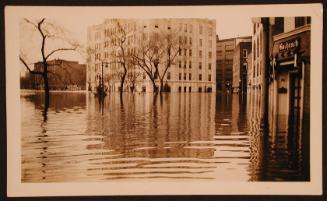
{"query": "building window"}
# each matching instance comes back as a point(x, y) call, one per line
point(185, 52)
point(219, 52)
point(184, 76)
point(190, 52)
point(200, 42)
point(200, 53)
point(209, 77)
point(190, 76)
point(200, 65)
point(184, 64)
point(185, 27)
point(190, 89)
point(245, 53)
point(299, 21)
point(156, 26)
point(190, 64)
point(190, 40)
point(179, 76)
point(210, 43)
point(168, 27)
point(209, 66)
point(180, 52)
point(180, 64)
point(210, 31)
point(168, 75)
point(279, 26)
point(200, 77)
point(210, 55)
point(191, 28)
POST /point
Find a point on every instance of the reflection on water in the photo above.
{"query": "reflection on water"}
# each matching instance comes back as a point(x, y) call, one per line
point(173, 136)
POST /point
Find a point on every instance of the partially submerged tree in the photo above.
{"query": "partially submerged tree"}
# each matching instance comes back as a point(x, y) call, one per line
point(121, 54)
point(156, 54)
point(170, 49)
point(147, 57)
point(47, 46)
point(133, 76)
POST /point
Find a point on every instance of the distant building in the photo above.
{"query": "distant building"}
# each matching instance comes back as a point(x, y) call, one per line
point(192, 71)
point(241, 62)
point(63, 75)
point(224, 64)
point(228, 57)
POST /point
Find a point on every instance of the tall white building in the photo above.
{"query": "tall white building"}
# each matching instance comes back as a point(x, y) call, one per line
point(193, 69)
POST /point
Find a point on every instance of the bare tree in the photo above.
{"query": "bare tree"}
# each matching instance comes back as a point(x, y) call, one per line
point(133, 76)
point(170, 49)
point(157, 52)
point(47, 32)
point(121, 54)
point(148, 55)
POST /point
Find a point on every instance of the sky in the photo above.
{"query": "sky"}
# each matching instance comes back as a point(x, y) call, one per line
point(228, 24)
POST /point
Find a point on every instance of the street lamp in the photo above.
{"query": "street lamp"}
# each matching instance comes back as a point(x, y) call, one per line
point(100, 91)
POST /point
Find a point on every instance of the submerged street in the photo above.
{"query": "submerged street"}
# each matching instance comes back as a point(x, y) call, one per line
point(174, 136)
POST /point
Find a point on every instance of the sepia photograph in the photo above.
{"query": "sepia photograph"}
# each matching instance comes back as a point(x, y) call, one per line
point(137, 96)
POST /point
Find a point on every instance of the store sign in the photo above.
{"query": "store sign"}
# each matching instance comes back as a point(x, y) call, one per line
point(288, 45)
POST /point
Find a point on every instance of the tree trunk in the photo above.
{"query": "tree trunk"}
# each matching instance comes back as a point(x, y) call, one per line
point(122, 81)
point(161, 86)
point(154, 86)
point(46, 95)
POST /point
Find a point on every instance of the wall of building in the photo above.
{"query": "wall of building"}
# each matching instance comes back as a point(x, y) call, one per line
point(193, 69)
point(224, 66)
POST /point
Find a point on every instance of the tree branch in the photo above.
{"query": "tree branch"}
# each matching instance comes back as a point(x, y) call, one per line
point(28, 68)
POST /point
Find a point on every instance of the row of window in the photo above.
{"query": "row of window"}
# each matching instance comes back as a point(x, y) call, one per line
point(189, 76)
point(180, 64)
point(184, 52)
point(227, 61)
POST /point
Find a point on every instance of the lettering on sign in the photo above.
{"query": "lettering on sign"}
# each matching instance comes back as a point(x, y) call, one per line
point(288, 45)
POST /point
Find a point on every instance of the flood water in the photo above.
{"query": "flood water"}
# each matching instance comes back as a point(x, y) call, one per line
point(175, 136)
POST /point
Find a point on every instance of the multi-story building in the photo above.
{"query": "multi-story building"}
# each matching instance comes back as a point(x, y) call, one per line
point(241, 63)
point(64, 75)
point(193, 70)
point(289, 87)
point(224, 64)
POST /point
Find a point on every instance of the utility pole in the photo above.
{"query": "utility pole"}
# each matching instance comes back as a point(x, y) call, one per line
point(264, 124)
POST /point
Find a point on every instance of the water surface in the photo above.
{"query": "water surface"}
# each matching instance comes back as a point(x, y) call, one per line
point(176, 136)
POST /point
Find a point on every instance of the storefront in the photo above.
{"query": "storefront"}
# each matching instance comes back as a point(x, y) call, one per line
point(289, 87)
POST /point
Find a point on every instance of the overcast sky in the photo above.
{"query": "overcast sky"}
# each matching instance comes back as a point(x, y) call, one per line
point(238, 26)
point(229, 24)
